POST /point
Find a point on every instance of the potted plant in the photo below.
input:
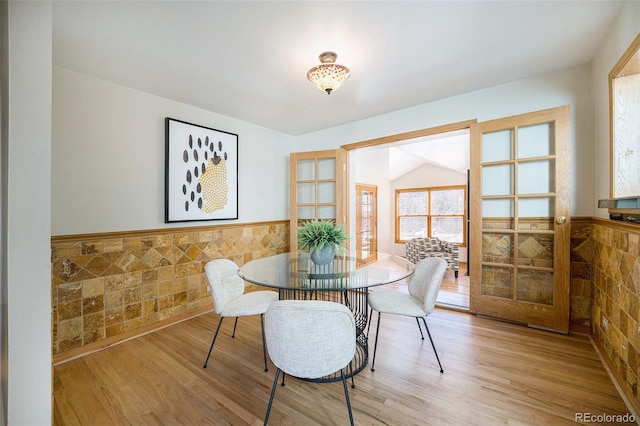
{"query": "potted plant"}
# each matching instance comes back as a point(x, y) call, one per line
point(321, 237)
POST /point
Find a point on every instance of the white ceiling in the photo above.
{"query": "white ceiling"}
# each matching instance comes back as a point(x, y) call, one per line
point(249, 60)
point(447, 150)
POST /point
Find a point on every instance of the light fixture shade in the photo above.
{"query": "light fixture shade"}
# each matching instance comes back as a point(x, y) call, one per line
point(328, 76)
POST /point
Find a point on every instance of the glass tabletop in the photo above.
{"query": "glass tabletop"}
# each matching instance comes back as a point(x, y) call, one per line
point(296, 271)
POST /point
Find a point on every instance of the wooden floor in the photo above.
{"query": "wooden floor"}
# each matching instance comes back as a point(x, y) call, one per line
point(454, 292)
point(495, 373)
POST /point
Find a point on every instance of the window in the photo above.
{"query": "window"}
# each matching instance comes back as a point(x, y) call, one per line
point(431, 212)
point(624, 105)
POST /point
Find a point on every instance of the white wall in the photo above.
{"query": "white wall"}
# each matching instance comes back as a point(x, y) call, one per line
point(108, 158)
point(564, 87)
point(625, 30)
point(28, 223)
point(371, 168)
point(108, 146)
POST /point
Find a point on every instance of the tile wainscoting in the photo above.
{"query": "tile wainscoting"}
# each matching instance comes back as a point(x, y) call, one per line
point(615, 316)
point(109, 287)
point(581, 259)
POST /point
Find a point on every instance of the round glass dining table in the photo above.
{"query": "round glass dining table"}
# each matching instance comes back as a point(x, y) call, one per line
point(345, 280)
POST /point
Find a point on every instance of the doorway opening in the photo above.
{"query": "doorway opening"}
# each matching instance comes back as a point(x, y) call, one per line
point(415, 161)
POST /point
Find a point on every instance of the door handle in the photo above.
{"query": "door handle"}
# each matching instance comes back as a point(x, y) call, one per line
point(561, 219)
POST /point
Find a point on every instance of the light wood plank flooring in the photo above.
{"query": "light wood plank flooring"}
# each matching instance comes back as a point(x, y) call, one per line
point(495, 373)
point(454, 292)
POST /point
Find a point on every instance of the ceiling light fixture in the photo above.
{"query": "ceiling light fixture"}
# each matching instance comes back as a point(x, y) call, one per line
point(328, 76)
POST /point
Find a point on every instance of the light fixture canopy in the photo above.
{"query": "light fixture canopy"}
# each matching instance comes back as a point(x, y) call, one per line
point(328, 76)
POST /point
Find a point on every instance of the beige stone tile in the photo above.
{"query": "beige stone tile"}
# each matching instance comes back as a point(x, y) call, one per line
point(132, 312)
point(114, 316)
point(93, 287)
point(114, 299)
point(113, 283)
point(91, 305)
point(132, 295)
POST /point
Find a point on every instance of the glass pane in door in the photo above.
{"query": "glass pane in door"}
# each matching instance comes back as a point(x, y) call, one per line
point(326, 192)
point(326, 212)
point(535, 177)
point(306, 193)
point(498, 180)
point(326, 168)
point(535, 141)
point(535, 207)
point(497, 146)
point(306, 170)
point(497, 208)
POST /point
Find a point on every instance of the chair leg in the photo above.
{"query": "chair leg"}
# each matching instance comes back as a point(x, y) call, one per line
point(264, 347)
point(432, 345)
point(375, 345)
point(420, 328)
point(369, 323)
point(346, 395)
point(273, 393)
point(456, 273)
point(353, 382)
point(215, 336)
point(234, 328)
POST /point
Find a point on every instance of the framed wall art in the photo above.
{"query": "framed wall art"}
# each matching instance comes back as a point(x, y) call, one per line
point(201, 173)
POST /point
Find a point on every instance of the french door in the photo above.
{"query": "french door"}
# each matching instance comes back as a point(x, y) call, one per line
point(318, 186)
point(520, 226)
point(366, 222)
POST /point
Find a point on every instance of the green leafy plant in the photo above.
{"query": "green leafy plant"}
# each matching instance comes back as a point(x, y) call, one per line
point(316, 234)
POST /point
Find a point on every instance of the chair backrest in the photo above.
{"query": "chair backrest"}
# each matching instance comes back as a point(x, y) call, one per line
point(425, 282)
point(225, 282)
point(419, 248)
point(310, 338)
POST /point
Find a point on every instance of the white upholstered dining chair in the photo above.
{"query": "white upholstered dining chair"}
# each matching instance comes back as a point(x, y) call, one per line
point(230, 300)
point(420, 301)
point(310, 339)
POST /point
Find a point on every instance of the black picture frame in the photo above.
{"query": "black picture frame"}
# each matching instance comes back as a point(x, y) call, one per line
point(201, 173)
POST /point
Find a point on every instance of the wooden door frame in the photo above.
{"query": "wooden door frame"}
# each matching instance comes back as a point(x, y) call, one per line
point(430, 131)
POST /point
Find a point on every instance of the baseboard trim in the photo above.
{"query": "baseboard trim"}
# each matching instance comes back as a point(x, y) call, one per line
point(624, 390)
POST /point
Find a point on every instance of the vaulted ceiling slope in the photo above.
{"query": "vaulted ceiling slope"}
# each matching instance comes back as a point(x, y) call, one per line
point(248, 60)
